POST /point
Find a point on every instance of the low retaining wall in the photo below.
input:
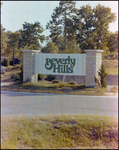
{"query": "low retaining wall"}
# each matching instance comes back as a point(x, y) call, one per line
point(112, 80)
point(78, 79)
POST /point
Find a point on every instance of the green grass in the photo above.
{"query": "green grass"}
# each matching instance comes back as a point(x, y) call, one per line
point(112, 71)
point(59, 131)
point(57, 88)
point(9, 68)
point(111, 66)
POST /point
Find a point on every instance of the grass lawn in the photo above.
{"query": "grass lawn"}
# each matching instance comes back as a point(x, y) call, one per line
point(111, 66)
point(59, 131)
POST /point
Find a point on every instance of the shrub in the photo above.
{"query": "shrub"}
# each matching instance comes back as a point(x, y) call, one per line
point(39, 77)
point(16, 61)
point(102, 76)
point(50, 78)
point(21, 73)
point(18, 76)
point(80, 86)
point(15, 77)
point(72, 82)
point(59, 85)
point(5, 62)
point(56, 81)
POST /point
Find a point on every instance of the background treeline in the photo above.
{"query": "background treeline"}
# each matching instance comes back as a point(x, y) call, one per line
point(72, 30)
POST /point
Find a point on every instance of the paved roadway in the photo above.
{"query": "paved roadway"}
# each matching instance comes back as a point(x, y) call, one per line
point(41, 103)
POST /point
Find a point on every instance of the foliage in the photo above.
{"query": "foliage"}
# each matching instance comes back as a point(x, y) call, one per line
point(56, 81)
point(60, 25)
point(102, 75)
point(30, 36)
point(4, 40)
point(15, 76)
point(18, 76)
point(50, 48)
point(16, 61)
point(12, 44)
point(72, 30)
point(93, 32)
point(5, 62)
point(82, 26)
point(72, 82)
point(21, 73)
point(39, 77)
point(113, 42)
point(50, 78)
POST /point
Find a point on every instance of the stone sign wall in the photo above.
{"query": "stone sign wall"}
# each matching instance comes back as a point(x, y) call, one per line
point(91, 62)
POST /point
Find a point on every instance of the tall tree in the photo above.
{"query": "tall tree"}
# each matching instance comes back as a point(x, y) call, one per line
point(113, 42)
point(61, 18)
point(84, 26)
point(31, 36)
point(94, 26)
point(12, 44)
point(102, 17)
point(4, 40)
point(50, 48)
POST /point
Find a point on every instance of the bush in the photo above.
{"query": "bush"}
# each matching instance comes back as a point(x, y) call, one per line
point(59, 85)
point(21, 73)
point(18, 76)
point(39, 77)
point(50, 78)
point(72, 82)
point(15, 77)
point(56, 81)
point(16, 61)
point(102, 76)
point(5, 62)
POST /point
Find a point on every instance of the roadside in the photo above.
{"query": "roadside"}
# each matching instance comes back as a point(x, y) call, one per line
point(59, 132)
point(8, 83)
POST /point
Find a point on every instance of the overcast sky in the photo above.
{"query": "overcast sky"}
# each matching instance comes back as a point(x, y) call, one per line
point(15, 13)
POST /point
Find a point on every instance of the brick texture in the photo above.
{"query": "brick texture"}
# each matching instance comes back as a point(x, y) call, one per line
point(29, 65)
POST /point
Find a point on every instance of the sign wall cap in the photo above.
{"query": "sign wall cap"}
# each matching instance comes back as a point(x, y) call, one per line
point(93, 50)
point(36, 51)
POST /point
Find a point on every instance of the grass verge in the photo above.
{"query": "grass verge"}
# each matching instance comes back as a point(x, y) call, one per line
point(58, 88)
point(59, 131)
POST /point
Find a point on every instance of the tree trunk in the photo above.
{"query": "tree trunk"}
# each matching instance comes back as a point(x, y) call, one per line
point(13, 57)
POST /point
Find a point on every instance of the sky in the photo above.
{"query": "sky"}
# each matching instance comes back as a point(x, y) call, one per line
point(15, 13)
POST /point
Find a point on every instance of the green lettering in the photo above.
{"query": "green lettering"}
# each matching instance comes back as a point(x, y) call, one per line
point(48, 64)
point(54, 68)
point(73, 62)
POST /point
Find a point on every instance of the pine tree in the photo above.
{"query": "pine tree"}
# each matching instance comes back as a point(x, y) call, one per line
point(102, 76)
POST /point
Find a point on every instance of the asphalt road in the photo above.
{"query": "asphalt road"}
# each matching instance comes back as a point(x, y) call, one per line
point(41, 103)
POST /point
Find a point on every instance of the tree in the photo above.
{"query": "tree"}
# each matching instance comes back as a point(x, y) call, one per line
point(112, 43)
point(93, 32)
point(31, 36)
point(4, 40)
point(84, 26)
point(61, 20)
point(102, 18)
point(72, 47)
point(12, 44)
point(50, 48)
point(102, 76)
